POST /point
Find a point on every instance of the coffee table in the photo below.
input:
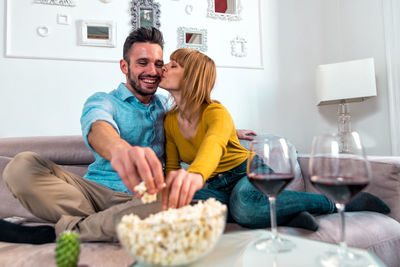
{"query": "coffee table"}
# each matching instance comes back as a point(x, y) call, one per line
point(236, 250)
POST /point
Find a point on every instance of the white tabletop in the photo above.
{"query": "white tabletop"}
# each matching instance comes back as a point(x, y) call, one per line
point(237, 250)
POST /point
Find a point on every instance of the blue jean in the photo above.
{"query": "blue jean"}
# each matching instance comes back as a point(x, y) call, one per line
point(250, 208)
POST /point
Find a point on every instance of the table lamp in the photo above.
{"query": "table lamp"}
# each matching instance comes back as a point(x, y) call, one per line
point(342, 83)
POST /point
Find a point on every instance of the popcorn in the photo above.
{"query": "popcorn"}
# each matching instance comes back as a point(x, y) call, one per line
point(174, 236)
point(146, 197)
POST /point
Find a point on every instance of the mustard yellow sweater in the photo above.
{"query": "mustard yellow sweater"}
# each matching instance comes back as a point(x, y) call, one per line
point(214, 149)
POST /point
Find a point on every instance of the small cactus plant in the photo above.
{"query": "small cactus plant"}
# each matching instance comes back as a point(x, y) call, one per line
point(67, 249)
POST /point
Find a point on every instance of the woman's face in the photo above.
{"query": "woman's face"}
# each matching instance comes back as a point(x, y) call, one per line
point(172, 75)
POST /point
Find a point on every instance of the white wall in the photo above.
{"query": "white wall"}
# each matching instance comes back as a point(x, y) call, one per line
point(353, 30)
point(45, 97)
point(391, 10)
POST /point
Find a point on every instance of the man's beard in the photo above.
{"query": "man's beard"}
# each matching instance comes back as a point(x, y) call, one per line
point(136, 85)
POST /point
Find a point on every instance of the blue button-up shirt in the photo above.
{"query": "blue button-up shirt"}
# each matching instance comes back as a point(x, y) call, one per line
point(136, 123)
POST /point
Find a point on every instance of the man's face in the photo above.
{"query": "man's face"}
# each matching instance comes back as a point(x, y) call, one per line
point(143, 73)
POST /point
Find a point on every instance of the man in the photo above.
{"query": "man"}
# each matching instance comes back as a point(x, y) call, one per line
point(124, 128)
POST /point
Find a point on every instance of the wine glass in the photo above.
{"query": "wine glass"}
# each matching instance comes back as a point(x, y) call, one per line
point(340, 170)
point(270, 168)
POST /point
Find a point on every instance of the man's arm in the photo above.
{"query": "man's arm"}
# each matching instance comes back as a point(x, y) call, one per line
point(132, 163)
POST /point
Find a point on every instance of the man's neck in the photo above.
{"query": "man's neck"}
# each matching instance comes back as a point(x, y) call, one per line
point(145, 99)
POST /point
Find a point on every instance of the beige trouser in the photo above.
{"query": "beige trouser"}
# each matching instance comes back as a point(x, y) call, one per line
point(63, 198)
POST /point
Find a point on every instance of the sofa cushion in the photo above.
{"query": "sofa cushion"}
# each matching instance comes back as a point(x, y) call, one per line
point(385, 183)
point(92, 254)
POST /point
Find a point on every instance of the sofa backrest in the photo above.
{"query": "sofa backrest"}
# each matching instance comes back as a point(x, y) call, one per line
point(63, 150)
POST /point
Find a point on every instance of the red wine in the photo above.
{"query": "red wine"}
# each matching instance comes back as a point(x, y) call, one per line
point(339, 189)
point(270, 184)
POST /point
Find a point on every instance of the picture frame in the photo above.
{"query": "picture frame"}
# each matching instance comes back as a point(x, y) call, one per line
point(68, 3)
point(145, 13)
point(192, 38)
point(238, 47)
point(97, 33)
point(231, 11)
point(63, 19)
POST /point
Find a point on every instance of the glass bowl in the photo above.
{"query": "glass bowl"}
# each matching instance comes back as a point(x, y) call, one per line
point(175, 237)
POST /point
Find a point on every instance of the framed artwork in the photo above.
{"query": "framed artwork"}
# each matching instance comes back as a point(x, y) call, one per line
point(192, 38)
point(145, 13)
point(97, 33)
point(70, 3)
point(224, 9)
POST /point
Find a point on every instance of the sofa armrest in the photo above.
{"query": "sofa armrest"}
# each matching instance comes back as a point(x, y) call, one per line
point(385, 180)
point(63, 150)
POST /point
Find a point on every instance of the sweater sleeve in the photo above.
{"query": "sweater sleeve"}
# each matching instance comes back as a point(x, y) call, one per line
point(172, 161)
point(218, 126)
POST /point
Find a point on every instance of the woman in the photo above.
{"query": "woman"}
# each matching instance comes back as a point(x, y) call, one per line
point(200, 132)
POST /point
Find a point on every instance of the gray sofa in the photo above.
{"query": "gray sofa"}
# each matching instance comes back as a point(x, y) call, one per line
point(368, 230)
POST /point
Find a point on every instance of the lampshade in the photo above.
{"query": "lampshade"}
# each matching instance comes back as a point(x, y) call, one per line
point(349, 81)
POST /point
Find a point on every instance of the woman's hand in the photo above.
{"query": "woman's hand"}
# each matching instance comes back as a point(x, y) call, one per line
point(180, 189)
point(245, 134)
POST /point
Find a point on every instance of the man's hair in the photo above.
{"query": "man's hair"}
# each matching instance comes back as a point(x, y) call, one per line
point(198, 80)
point(142, 35)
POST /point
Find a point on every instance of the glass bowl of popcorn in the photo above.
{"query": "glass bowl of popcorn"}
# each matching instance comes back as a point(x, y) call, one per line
point(174, 237)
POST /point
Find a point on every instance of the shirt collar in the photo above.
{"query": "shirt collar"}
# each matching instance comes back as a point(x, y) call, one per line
point(126, 95)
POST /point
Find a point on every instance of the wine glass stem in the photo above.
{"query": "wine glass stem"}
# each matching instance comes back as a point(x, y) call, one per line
point(272, 207)
point(343, 246)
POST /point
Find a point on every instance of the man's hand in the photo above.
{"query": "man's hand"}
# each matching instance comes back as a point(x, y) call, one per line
point(134, 164)
point(245, 134)
point(180, 189)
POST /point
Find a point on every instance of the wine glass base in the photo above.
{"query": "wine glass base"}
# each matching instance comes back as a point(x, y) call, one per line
point(345, 259)
point(273, 245)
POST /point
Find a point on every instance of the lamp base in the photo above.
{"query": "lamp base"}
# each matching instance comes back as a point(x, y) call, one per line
point(344, 127)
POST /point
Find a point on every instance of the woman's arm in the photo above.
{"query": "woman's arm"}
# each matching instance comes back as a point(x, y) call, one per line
point(182, 184)
point(172, 160)
point(218, 126)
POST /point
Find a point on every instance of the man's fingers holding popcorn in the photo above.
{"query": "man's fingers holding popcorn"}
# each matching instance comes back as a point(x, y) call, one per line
point(144, 195)
point(142, 159)
point(118, 164)
point(156, 169)
point(134, 164)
